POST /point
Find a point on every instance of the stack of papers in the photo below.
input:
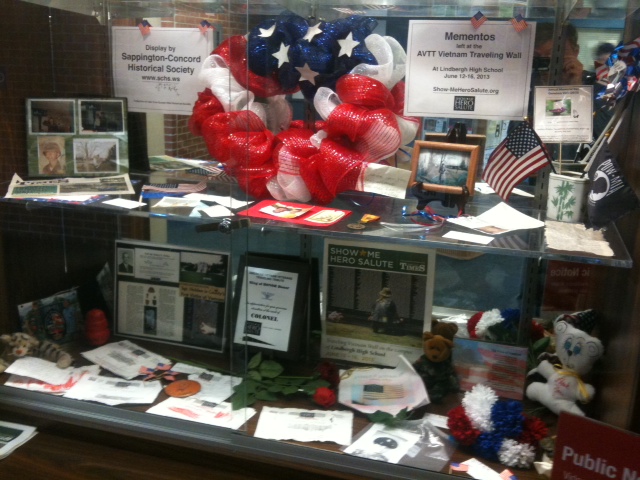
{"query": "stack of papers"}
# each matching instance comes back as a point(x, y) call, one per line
point(12, 435)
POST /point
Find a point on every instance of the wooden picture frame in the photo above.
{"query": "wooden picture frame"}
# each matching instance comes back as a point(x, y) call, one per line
point(270, 304)
point(445, 167)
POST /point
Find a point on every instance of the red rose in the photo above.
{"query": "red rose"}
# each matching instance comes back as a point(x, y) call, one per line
point(325, 397)
point(329, 372)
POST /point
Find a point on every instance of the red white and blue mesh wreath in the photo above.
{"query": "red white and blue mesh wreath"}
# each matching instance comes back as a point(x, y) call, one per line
point(353, 78)
point(496, 429)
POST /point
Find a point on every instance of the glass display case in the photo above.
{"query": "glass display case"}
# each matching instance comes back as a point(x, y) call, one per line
point(116, 90)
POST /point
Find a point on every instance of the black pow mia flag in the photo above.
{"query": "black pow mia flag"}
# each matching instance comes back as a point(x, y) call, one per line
point(610, 196)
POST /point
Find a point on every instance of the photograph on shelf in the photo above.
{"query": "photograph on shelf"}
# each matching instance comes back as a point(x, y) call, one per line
point(270, 305)
point(171, 294)
point(76, 137)
point(445, 167)
point(57, 318)
point(377, 302)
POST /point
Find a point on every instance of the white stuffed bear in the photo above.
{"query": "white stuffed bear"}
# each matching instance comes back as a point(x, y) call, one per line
point(577, 351)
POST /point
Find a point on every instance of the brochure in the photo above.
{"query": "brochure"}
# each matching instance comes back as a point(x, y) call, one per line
point(114, 185)
point(12, 435)
point(500, 219)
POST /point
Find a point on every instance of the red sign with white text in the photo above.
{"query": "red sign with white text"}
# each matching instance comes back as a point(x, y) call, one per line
point(591, 450)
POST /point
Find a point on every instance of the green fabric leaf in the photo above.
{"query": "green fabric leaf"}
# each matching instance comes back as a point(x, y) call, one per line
point(255, 361)
point(290, 389)
point(266, 396)
point(270, 369)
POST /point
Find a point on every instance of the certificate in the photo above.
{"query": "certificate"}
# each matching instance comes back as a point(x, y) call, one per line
point(271, 304)
point(564, 114)
point(454, 70)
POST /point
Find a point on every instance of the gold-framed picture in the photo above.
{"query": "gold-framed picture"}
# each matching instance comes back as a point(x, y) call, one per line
point(445, 167)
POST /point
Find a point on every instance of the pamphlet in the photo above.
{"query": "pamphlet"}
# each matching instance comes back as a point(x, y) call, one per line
point(369, 390)
point(113, 185)
point(500, 219)
point(124, 358)
point(383, 443)
point(305, 425)
point(196, 409)
point(12, 435)
point(114, 391)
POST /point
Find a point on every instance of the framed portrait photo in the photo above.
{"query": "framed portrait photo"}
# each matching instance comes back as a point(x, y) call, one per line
point(445, 167)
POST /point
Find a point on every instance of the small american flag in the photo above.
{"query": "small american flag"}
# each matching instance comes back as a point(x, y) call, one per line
point(379, 392)
point(204, 26)
point(459, 467)
point(478, 19)
point(145, 28)
point(175, 188)
point(508, 475)
point(518, 23)
point(519, 156)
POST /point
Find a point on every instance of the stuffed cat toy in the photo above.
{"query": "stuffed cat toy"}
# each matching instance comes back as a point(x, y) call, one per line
point(20, 344)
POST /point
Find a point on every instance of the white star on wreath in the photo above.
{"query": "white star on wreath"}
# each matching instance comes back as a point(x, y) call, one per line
point(347, 45)
point(282, 55)
point(307, 74)
point(267, 32)
point(312, 32)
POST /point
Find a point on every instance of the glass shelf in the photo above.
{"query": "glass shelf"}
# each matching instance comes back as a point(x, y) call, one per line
point(521, 243)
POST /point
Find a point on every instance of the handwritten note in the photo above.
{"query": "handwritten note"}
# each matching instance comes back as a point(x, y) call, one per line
point(385, 180)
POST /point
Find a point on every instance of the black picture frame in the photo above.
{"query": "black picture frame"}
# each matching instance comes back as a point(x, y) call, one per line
point(172, 294)
point(77, 137)
point(271, 304)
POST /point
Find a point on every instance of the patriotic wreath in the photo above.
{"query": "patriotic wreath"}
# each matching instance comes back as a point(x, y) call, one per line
point(496, 429)
point(352, 76)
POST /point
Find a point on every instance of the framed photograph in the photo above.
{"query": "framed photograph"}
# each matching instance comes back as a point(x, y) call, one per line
point(69, 137)
point(471, 139)
point(171, 294)
point(445, 167)
point(270, 304)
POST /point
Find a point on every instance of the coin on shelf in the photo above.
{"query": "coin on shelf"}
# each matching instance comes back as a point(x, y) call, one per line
point(182, 388)
point(356, 226)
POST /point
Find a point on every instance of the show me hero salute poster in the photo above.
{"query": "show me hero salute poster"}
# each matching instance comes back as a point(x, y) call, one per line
point(377, 301)
point(455, 70)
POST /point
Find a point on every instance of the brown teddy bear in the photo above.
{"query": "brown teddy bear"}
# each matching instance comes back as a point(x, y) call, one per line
point(435, 366)
point(20, 344)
